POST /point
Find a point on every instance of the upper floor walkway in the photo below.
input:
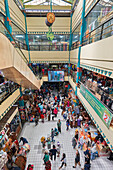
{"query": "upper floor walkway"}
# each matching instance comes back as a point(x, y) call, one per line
point(13, 62)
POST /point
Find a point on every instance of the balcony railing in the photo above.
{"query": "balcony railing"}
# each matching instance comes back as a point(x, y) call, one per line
point(53, 47)
point(64, 47)
point(101, 32)
point(6, 89)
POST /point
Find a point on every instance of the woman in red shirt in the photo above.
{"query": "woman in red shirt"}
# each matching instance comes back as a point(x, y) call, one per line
point(55, 112)
point(30, 167)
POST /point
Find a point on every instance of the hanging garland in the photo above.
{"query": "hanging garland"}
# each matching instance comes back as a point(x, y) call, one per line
point(49, 21)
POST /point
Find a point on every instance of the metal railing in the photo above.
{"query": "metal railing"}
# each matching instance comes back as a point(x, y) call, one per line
point(6, 89)
point(53, 47)
point(42, 47)
point(101, 32)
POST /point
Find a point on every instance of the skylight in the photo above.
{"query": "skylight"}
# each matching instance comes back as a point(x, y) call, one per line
point(47, 2)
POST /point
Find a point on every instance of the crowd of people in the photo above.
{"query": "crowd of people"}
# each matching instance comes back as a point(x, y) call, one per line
point(42, 106)
point(46, 105)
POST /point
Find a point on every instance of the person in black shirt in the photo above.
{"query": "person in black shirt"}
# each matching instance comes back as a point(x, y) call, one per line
point(58, 98)
point(67, 124)
point(53, 153)
point(24, 140)
point(76, 134)
point(77, 159)
point(87, 162)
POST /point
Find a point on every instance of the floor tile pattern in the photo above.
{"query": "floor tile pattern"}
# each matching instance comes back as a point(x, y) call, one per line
point(35, 156)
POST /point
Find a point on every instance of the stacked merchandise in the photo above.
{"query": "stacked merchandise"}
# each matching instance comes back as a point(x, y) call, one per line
point(3, 141)
point(3, 158)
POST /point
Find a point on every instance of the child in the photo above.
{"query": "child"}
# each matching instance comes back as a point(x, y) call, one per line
point(63, 160)
point(48, 143)
point(43, 141)
point(56, 132)
point(58, 149)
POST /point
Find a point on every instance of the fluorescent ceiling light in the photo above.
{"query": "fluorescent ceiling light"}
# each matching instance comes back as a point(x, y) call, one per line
point(54, 41)
point(61, 36)
point(19, 36)
point(76, 36)
point(37, 36)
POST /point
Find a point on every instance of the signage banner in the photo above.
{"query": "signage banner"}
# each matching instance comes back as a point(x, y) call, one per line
point(99, 108)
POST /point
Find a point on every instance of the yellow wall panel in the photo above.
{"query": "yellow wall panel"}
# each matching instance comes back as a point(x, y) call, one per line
point(98, 54)
point(16, 14)
point(2, 6)
point(78, 12)
point(37, 24)
point(77, 15)
point(49, 55)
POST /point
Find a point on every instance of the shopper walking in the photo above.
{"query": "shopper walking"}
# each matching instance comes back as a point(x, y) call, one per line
point(81, 142)
point(87, 162)
point(52, 135)
point(53, 153)
point(63, 161)
point(59, 125)
point(74, 142)
point(76, 134)
point(46, 157)
point(48, 165)
point(58, 149)
point(77, 159)
point(36, 120)
point(67, 124)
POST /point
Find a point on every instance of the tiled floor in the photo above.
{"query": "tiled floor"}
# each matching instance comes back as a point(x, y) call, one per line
point(35, 156)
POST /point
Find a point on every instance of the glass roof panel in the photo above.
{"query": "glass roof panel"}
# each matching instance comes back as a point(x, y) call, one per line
point(47, 2)
point(106, 2)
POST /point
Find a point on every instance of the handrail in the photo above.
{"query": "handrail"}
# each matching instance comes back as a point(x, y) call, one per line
point(3, 98)
point(39, 47)
point(49, 47)
point(93, 36)
point(14, 42)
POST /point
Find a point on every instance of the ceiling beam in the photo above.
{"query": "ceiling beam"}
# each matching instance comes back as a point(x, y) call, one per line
point(68, 1)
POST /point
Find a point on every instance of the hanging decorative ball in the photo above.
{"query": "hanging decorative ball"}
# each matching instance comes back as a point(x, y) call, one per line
point(50, 19)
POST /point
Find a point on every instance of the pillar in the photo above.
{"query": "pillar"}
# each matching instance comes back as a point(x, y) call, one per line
point(70, 42)
point(8, 19)
point(79, 51)
point(26, 34)
point(22, 108)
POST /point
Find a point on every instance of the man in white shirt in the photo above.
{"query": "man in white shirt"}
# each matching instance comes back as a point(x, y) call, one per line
point(80, 117)
point(94, 152)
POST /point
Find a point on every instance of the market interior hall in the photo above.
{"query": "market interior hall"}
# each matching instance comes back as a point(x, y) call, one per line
point(56, 84)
